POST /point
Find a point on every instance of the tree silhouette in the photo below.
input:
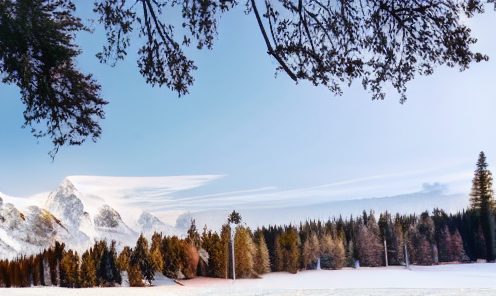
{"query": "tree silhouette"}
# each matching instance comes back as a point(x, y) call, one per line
point(482, 200)
point(325, 42)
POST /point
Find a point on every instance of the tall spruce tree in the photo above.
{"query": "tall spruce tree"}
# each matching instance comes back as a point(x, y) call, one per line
point(482, 200)
point(244, 251)
point(311, 251)
point(261, 260)
point(87, 276)
point(141, 257)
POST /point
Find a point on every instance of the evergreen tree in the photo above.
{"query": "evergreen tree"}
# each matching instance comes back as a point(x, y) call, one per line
point(350, 257)
point(311, 251)
point(482, 200)
point(289, 250)
point(480, 244)
point(225, 238)
point(244, 251)
point(332, 255)
point(107, 271)
point(87, 275)
point(141, 257)
point(192, 258)
point(155, 253)
point(193, 235)
point(456, 247)
point(368, 247)
point(124, 258)
point(261, 263)
point(135, 275)
point(444, 245)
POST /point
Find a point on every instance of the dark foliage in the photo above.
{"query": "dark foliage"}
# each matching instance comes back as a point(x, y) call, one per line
point(37, 54)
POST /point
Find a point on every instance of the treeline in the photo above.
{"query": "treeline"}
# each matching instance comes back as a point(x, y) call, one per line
point(370, 241)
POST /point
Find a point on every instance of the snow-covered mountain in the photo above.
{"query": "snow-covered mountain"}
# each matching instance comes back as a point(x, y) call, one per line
point(83, 209)
point(63, 217)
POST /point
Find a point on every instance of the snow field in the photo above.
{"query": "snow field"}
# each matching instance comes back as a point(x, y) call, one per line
point(440, 280)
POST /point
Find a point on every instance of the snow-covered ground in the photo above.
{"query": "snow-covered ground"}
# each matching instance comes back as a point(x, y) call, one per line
point(459, 279)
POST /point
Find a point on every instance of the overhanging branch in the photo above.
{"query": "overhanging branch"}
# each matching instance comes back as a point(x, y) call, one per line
point(269, 46)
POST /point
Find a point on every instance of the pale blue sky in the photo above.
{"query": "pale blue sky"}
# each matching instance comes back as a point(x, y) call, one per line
point(260, 131)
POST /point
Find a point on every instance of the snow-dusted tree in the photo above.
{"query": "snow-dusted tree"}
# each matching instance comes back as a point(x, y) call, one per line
point(244, 251)
point(261, 264)
point(311, 251)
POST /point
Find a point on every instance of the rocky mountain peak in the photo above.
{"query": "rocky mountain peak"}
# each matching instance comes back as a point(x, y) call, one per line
point(63, 203)
point(107, 217)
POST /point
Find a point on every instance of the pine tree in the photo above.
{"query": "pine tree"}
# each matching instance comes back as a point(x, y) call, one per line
point(192, 258)
point(444, 245)
point(350, 254)
point(332, 255)
point(482, 200)
point(289, 250)
point(311, 251)
point(225, 238)
point(456, 247)
point(261, 263)
point(244, 251)
point(141, 256)
point(155, 253)
point(193, 234)
point(480, 244)
point(87, 275)
point(368, 247)
point(135, 275)
point(124, 258)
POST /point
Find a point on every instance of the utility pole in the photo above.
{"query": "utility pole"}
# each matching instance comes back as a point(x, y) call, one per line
point(406, 257)
point(232, 244)
point(385, 252)
point(233, 218)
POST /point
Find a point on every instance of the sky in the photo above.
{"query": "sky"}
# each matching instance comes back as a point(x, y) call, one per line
point(253, 133)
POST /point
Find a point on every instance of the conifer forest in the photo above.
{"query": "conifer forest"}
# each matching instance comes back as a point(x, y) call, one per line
point(371, 239)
